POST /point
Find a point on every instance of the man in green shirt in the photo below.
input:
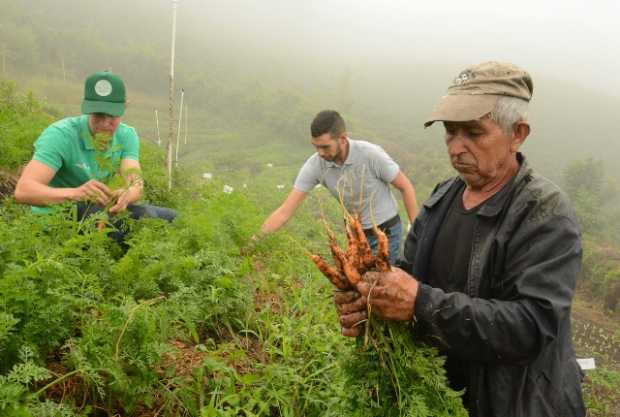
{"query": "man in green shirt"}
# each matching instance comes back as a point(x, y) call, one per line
point(77, 158)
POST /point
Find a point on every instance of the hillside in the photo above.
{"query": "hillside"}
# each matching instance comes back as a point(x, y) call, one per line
point(190, 321)
point(183, 324)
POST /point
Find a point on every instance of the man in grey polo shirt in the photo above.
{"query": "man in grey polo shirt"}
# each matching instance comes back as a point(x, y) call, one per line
point(356, 172)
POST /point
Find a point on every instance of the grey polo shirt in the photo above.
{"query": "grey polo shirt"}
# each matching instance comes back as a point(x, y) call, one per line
point(362, 182)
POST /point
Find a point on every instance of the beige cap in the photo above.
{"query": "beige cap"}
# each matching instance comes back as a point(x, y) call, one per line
point(476, 89)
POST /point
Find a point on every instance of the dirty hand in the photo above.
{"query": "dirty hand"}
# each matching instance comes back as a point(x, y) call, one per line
point(391, 295)
point(92, 190)
point(351, 308)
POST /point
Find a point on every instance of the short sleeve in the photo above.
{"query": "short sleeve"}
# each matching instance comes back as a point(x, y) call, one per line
point(48, 148)
point(131, 145)
point(309, 175)
point(385, 167)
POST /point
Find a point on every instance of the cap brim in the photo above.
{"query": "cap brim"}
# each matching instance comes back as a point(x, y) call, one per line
point(462, 108)
point(113, 109)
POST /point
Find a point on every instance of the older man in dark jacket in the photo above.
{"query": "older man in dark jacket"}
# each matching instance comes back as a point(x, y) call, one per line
point(491, 260)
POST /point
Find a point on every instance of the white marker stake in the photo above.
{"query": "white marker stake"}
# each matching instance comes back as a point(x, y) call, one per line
point(157, 124)
point(586, 364)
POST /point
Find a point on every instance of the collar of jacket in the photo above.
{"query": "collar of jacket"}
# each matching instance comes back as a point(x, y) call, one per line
point(494, 205)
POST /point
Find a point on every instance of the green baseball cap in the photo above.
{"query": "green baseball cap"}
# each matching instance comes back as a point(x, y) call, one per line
point(104, 92)
point(475, 91)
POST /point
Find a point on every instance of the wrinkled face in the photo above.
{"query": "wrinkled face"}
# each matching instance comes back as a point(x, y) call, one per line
point(329, 148)
point(103, 123)
point(480, 151)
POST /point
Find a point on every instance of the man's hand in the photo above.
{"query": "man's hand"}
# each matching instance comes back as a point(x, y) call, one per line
point(92, 190)
point(391, 294)
point(351, 308)
point(122, 201)
point(249, 247)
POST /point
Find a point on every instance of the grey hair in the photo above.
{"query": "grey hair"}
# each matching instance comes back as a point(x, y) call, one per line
point(508, 111)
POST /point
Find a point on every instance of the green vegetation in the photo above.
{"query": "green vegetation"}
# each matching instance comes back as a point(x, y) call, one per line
point(180, 324)
point(601, 391)
point(596, 201)
point(183, 324)
point(21, 120)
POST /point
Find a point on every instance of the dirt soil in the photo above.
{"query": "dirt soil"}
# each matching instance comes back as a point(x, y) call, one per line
point(7, 184)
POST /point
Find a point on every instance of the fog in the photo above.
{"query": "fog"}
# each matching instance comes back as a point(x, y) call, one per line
point(383, 64)
point(570, 40)
point(398, 57)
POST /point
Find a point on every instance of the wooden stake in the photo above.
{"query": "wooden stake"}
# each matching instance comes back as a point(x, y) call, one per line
point(186, 117)
point(157, 124)
point(176, 150)
point(171, 94)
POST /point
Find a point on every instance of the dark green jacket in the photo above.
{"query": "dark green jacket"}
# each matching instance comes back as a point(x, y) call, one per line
point(510, 326)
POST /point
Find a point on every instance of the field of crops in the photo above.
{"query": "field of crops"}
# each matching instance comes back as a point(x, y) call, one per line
point(186, 323)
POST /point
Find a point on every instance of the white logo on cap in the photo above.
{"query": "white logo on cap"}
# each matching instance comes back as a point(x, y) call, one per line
point(463, 77)
point(103, 88)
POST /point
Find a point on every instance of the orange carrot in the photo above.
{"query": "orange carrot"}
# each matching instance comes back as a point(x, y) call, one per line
point(367, 260)
point(353, 248)
point(351, 273)
point(348, 268)
point(335, 254)
point(331, 273)
point(383, 250)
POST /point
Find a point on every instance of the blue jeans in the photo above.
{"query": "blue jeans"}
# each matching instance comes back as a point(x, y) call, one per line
point(394, 235)
point(136, 211)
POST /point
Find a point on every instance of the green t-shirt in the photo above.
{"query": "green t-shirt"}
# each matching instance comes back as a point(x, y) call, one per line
point(67, 147)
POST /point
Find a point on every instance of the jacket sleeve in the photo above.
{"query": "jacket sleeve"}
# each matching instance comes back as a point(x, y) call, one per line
point(532, 293)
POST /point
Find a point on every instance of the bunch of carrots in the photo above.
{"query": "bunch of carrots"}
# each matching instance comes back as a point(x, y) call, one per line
point(392, 374)
point(358, 258)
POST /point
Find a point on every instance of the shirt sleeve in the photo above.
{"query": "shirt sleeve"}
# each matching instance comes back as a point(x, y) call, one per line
point(384, 166)
point(131, 145)
point(309, 175)
point(48, 148)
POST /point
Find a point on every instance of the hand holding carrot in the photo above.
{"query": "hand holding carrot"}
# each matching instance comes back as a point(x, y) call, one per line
point(365, 281)
point(351, 308)
point(391, 295)
point(92, 190)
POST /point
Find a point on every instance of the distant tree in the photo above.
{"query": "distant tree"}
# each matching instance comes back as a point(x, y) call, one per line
point(19, 46)
point(584, 183)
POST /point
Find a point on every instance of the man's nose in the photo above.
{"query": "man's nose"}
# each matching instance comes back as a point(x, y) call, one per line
point(456, 145)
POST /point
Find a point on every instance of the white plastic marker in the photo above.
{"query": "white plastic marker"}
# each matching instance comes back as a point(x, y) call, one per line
point(157, 124)
point(207, 176)
point(228, 189)
point(586, 363)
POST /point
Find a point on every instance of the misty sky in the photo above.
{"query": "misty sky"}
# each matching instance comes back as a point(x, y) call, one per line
point(568, 40)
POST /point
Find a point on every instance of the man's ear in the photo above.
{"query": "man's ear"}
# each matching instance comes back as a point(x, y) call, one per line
point(520, 132)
